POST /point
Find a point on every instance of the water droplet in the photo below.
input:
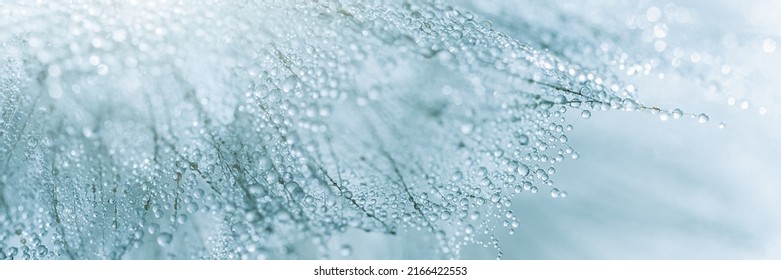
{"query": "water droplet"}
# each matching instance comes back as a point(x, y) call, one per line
point(289, 84)
point(677, 113)
point(630, 105)
point(523, 170)
point(585, 114)
point(198, 193)
point(264, 163)
point(545, 105)
point(152, 228)
point(523, 139)
point(702, 118)
point(554, 193)
point(295, 190)
point(469, 229)
point(664, 116)
point(457, 176)
point(164, 238)
point(272, 177)
point(252, 216)
point(345, 250)
point(181, 218)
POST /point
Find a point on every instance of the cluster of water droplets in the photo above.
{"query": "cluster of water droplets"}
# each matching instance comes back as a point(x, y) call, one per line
point(252, 130)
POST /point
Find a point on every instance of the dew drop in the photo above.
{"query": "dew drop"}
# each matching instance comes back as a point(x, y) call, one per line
point(702, 118)
point(457, 176)
point(523, 170)
point(629, 105)
point(164, 238)
point(664, 116)
point(289, 83)
point(264, 163)
point(677, 113)
point(523, 139)
point(345, 250)
point(152, 228)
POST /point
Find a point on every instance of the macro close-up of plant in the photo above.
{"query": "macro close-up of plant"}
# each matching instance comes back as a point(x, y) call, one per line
point(388, 129)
